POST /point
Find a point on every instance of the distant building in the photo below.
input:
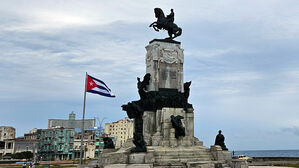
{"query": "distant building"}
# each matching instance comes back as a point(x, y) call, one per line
point(7, 133)
point(122, 130)
point(12, 146)
point(56, 144)
point(21, 145)
point(33, 134)
point(71, 122)
point(88, 142)
point(99, 144)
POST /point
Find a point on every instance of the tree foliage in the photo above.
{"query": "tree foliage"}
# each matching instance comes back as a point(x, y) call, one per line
point(23, 155)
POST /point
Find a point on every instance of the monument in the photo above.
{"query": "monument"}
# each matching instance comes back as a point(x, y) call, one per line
point(164, 119)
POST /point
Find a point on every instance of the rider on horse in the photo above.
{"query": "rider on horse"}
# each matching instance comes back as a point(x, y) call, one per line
point(166, 23)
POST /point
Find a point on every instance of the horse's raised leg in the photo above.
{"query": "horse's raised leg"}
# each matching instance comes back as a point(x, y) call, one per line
point(152, 24)
point(155, 27)
point(169, 34)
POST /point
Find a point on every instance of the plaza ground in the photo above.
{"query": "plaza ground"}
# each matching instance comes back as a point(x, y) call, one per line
point(53, 164)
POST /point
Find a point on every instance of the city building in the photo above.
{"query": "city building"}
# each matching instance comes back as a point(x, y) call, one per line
point(33, 134)
point(21, 145)
point(56, 144)
point(88, 143)
point(17, 145)
point(7, 133)
point(121, 130)
point(71, 122)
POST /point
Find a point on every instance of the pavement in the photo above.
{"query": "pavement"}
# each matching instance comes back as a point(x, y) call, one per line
point(91, 164)
point(267, 167)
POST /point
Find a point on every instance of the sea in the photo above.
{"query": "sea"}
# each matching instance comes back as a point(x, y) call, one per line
point(268, 153)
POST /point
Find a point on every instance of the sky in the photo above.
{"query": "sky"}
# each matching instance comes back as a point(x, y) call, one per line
point(242, 58)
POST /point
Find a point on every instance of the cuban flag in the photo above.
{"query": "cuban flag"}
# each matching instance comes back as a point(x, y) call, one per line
point(97, 86)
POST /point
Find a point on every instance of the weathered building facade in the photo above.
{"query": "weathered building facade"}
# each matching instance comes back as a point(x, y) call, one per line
point(7, 132)
point(56, 144)
point(12, 146)
point(122, 130)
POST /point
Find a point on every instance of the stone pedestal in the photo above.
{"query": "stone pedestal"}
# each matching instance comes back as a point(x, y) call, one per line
point(164, 61)
point(149, 125)
point(220, 154)
point(137, 158)
point(158, 130)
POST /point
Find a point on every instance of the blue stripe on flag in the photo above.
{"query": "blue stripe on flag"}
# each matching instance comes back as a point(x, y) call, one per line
point(101, 87)
point(100, 82)
point(101, 93)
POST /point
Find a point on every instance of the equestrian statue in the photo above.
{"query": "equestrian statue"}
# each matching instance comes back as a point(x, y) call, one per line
point(166, 23)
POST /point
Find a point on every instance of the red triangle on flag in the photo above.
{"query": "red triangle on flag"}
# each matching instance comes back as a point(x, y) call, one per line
point(90, 84)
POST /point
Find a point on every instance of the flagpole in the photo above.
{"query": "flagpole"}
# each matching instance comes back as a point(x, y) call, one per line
point(83, 118)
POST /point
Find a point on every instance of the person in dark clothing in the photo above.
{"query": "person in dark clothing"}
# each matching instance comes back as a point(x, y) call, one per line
point(220, 140)
point(170, 17)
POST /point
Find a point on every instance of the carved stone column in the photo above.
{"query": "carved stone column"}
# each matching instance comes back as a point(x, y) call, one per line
point(164, 61)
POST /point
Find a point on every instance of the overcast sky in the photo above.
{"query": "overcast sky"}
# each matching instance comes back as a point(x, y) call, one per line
point(242, 58)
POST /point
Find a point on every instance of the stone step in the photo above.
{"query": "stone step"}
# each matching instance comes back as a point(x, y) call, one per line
point(179, 155)
point(169, 166)
point(225, 165)
point(189, 159)
point(158, 160)
point(181, 152)
point(184, 156)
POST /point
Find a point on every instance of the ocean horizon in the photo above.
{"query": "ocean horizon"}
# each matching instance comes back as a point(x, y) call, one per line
point(268, 153)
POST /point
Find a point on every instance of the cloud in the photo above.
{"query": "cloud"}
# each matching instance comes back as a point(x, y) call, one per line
point(294, 130)
point(41, 59)
point(241, 57)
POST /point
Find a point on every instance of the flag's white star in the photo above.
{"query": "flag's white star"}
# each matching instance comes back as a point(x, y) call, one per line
point(90, 83)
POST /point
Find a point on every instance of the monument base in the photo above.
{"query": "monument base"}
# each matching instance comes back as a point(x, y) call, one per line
point(159, 156)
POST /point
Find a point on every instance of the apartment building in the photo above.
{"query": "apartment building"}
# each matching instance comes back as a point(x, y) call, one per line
point(121, 130)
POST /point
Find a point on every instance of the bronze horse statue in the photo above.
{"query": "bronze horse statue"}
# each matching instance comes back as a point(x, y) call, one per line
point(166, 23)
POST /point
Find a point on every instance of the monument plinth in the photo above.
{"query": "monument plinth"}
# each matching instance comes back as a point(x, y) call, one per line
point(164, 61)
